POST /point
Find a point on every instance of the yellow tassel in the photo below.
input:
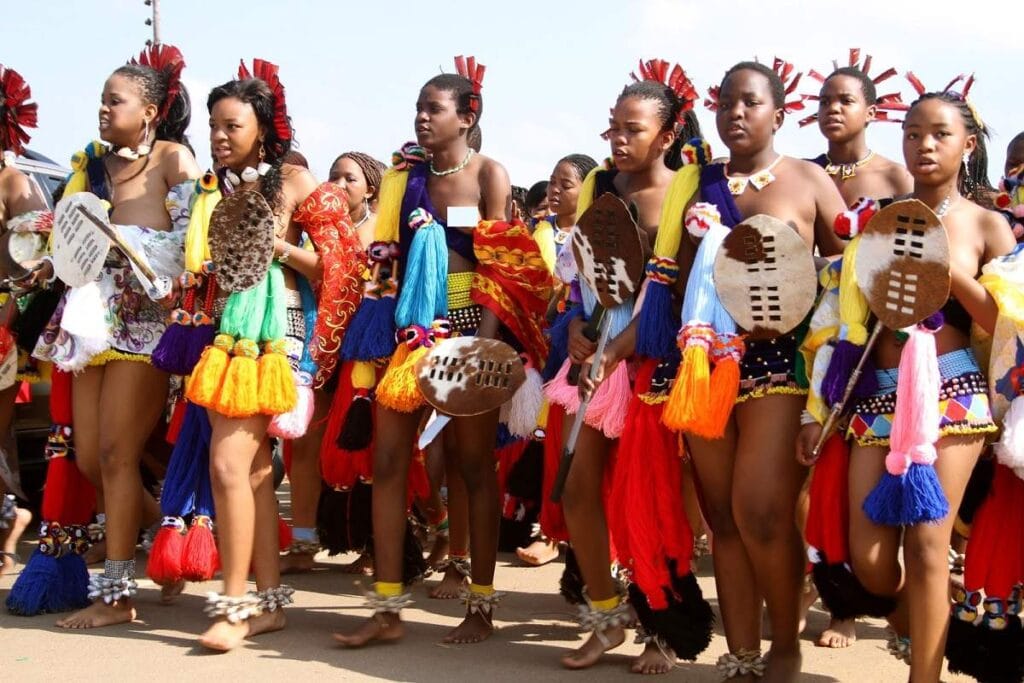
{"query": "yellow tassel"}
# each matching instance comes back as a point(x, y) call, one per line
point(670, 226)
point(690, 392)
point(239, 397)
point(207, 377)
point(586, 195)
point(197, 248)
point(542, 418)
point(277, 393)
point(389, 205)
point(397, 389)
point(544, 236)
point(364, 375)
point(853, 306)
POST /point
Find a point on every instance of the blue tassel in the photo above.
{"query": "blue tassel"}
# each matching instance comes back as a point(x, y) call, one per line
point(178, 498)
point(38, 588)
point(425, 294)
point(884, 505)
point(204, 487)
point(558, 333)
point(505, 437)
point(170, 350)
point(658, 323)
point(371, 334)
point(74, 581)
point(923, 497)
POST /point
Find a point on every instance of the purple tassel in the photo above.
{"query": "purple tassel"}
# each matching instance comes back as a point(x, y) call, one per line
point(196, 339)
point(840, 368)
point(169, 351)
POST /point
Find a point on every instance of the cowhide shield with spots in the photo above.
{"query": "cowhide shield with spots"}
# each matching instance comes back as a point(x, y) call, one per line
point(18, 249)
point(764, 275)
point(241, 238)
point(608, 250)
point(469, 375)
point(902, 263)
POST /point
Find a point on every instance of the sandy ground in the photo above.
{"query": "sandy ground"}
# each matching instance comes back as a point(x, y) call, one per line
point(534, 625)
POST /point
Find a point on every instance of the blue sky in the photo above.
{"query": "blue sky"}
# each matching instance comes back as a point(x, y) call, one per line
point(352, 70)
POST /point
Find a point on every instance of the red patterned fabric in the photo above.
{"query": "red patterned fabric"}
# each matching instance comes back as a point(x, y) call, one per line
point(324, 217)
point(512, 281)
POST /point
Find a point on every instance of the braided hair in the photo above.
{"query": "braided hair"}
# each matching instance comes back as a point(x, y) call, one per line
point(373, 170)
point(257, 94)
point(581, 163)
point(153, 86)
point(972, 181)
point(669, 106)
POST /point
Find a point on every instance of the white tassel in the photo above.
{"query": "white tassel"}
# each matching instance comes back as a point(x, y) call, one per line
point(520, 414)
point(85, 319)
point(1010, 448)
point(293, 424)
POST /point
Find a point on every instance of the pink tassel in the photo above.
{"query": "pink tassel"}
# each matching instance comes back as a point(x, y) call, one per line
point(293, 424)
point(607, 410)
point(915, 425)
point(560, 392)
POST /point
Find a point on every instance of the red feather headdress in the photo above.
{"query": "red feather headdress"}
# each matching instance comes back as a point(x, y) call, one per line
point(676, 79)
point(790, 81)
point(16, 112)
point(962, 93)
point(267, 72)
point(884, 103)
point(468, 68)
point(169, 61)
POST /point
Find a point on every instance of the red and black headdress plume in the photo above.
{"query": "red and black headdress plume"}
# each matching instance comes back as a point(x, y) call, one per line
point(953, 90)
point(267, 72)
point(885, 104)
point(468, 68)
point(784, 70)
point(169, 61)
point(675, 78)
point(16, 112)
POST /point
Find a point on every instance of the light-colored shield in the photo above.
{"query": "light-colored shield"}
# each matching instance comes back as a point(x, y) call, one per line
point(469, 375)
point(902, 263)
point(79, 246)
point(241, 240)
point(18, 251)
point(608, 250)
point(764, 275)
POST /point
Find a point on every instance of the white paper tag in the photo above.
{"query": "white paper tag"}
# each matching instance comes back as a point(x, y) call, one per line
point(463, 216)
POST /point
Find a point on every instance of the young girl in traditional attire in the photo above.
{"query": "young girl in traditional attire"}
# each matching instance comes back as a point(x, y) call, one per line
point(747, 478)
point(107, 330)
point(943, 142)
point(644, 144)
point(22, 209)
point(250, 134)
point(455, 187)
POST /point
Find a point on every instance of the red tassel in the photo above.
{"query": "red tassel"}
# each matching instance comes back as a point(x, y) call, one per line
point(552, 520)
point(177, 418)
point(337, 465)
point(164, 565)
point(60, 397)
point(199, 558)
point(993, 561)
point(68, 497)
point(287, 448)
point(284, 534)
point(507, 457)
point(828, 515)
point(418, 485)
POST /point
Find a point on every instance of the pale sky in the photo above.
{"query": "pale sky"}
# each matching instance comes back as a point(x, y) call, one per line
point(352, 71)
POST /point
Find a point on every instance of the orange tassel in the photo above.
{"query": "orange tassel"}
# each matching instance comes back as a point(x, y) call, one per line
point(691, 390)
point(207, 377)
point(239, 393)
point(277, 393)
point(397, 389)
point(725, 387)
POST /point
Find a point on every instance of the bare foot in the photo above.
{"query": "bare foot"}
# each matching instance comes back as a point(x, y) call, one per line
point(840, 633)
point(477, 626)
point(653, 661)
point(439, 552)
point(539, 552)
point(450, 586)
point(597, 644)
point(171, 591)
point(296, 563)
point(385, 627)
point(362, 565)
point(782, 667)
point(267, 622)
point(223, 635)
point(100, 614)
point(96, 553)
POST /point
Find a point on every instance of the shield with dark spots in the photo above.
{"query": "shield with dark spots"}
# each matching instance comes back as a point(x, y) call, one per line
point(469, 375)
point(608, 250)
point(241, 238)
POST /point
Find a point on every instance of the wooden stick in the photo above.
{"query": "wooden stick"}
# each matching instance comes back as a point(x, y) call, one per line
point(838, 408)
point(121, 245)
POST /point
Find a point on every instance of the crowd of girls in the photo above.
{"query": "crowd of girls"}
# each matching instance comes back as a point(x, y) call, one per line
point(694, 430)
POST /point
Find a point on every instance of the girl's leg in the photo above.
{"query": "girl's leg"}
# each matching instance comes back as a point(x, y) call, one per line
point(454, 578)
point(234, 444)
point(583, 505)
point(473, 439)
point(131, 399)
point(926, 552)
point(392, 450)
point(305, 481)
point(265, 556)
point(766, 484)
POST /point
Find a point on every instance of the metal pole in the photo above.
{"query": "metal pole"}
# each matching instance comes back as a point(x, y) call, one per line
point(156, 22)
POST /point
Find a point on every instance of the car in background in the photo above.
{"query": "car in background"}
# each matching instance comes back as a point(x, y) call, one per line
point(47, 173)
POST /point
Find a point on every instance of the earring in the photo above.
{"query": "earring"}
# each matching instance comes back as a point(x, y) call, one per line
point(263, 167)
point(967, 158)
point(366, 206)
point(144, 147)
